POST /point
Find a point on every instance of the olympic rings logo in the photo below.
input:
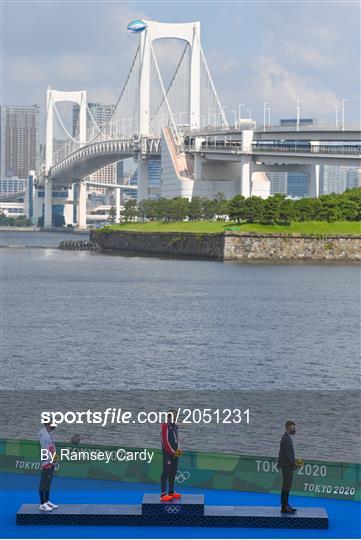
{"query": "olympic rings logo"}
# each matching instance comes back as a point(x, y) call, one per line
point(182, 476)
point(173, 509)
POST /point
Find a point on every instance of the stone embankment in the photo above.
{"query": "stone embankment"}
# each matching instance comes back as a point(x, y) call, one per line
point(79, 245)
point(233, 246)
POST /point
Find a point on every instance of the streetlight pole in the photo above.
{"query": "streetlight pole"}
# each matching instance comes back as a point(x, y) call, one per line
point(298, 112)
point(250, 113)
point(240, 110)
point(343, 114)
point(265, 109)
point(269, 115)
point(235, 119)
point(336, 117)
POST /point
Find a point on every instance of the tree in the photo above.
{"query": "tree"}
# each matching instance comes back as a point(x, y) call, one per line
point(271, 208)
point(195, 210)
point(329, 210)
point(162, 209)
point(348, 209)
point(208, 208)
point(112, 215)
point(142, 210)
point(253, 207)
point(303, 209)
point(130, 211)
point(286, 212)
point(220, 206)
point(178, 209)
point(236, 209)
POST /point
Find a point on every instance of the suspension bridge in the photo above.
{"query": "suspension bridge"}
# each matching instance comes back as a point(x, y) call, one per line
point(168, 118)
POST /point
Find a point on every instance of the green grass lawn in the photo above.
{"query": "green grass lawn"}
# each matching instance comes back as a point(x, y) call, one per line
point(311, 227)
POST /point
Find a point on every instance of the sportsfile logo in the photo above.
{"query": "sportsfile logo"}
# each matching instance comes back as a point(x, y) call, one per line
point(119, 416)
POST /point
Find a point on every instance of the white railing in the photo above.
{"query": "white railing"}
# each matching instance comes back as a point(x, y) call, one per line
point(225, 145)
point(126, 147)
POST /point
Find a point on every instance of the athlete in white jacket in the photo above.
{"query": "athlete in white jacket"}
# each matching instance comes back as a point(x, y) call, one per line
point(47, 457)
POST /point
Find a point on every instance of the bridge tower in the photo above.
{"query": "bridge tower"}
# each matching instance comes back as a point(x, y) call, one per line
point(54, 97)
point(154, 30)
point(189, 32)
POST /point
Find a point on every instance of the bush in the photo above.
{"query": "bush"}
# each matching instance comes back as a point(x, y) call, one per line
point(271, 210)
point(253, 209)
point(276, 209)
point(286, 212)
point(237, 209)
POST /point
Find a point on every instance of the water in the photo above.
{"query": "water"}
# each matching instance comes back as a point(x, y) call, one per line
point(83, 321)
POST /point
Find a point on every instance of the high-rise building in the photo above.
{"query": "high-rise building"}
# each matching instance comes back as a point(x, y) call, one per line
point(297, 184)
point(97, 115)
point(333, 179)
point(278, 182)
point(293, 184)
point(154, 179)
point(100, 113)
point(338, 179)
point(353, 178)
point(19, 135)
point(9, 186)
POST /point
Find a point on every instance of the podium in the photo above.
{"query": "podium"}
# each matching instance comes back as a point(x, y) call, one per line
point(188, 505)
point(190, 510)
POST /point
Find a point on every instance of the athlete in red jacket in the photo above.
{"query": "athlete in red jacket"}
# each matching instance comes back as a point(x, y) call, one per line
point(170, 459)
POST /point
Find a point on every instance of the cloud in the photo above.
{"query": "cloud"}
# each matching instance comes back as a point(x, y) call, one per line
point(222, 62)
point(255, 51)
point(25, 68)
point(272, 82)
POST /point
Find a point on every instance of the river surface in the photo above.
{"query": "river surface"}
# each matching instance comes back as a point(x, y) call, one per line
point(283, 337)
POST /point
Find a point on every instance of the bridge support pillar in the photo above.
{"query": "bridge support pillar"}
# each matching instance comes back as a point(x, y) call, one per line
point(69, 207)
point(197, 167)
point(246, 177)
point(117, 205)
point(48, 204)
point(143, 193)
point(313, 180)
point(82, 205)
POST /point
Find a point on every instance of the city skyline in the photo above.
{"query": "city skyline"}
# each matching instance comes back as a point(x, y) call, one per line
point(265, 51)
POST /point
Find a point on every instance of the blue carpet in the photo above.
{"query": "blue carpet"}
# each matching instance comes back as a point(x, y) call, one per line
point(16, 489)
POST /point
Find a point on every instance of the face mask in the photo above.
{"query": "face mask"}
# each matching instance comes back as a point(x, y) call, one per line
point(292, 431)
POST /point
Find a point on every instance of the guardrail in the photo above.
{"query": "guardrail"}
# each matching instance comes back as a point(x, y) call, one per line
point(348, 150)
point(236, 146)
point(145, 145)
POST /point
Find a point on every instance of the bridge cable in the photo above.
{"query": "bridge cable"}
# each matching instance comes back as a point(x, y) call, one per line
point(212, 84)
point(63, 126)
point(171, 82)
point(163, 90)
point(120, 97)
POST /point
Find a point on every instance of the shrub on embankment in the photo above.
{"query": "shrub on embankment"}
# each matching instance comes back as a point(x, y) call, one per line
point(276, 209)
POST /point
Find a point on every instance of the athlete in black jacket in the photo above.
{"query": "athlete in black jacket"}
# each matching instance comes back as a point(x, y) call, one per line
point(287, 462)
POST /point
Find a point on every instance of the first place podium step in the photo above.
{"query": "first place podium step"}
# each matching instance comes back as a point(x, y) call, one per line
point(190, 510)
point(188, 505)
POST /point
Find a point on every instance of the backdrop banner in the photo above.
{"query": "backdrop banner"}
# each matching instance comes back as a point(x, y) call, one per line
point(196, 469)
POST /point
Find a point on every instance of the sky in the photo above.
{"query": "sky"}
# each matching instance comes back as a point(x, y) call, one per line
point(277, 52)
